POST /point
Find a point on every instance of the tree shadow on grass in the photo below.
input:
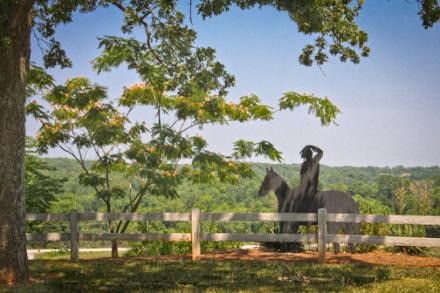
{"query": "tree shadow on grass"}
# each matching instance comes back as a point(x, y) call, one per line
point(184, 275)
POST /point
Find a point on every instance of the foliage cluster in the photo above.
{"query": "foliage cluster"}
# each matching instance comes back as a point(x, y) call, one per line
point(333, 23)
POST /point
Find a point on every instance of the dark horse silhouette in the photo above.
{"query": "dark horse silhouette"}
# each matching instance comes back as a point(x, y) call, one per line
point(294, 201)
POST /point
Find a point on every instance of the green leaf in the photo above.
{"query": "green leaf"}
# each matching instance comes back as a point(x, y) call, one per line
point(323, 109)
point(38, 80)
point(91, 179)
point(243, 149)
point(265, 148)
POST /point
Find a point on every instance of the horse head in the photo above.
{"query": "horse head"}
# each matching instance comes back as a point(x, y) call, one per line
point(270, 182)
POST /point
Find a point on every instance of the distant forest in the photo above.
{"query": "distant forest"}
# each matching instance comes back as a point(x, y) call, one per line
point(420, 185)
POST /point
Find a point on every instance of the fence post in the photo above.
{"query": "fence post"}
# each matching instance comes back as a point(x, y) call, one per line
point(74, 230)
point(195, 234)
point(322, 231)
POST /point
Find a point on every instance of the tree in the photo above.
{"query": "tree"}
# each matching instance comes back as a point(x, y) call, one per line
point(83, 121)
point(333, 21)
point(16, 22)
point(387, 186)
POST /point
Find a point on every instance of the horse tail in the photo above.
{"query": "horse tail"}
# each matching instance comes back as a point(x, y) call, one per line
point(356, 228)
point(352, 228)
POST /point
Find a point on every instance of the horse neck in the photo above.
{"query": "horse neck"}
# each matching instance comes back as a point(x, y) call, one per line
point(281, 192)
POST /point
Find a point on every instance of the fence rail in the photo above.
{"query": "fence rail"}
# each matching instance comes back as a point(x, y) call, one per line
point(196, 236)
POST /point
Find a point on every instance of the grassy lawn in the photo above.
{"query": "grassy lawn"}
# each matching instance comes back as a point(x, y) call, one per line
point(57, 255)
point(131, 275)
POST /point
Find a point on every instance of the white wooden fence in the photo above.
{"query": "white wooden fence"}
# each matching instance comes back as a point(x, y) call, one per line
point(196, 236)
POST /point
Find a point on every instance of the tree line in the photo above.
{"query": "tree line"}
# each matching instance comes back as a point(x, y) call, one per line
point(401, 190)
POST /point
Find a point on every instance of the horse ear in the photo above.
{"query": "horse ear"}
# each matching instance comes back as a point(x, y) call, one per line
point(267, 170)
point(271, 169)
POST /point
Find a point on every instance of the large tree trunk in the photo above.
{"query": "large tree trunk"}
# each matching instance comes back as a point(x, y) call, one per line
point(14, 66)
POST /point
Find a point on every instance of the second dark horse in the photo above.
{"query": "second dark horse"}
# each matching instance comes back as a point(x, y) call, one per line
point(291, 201)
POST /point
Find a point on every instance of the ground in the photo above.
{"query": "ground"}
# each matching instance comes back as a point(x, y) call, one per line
point(373, 258)
point(239, 270)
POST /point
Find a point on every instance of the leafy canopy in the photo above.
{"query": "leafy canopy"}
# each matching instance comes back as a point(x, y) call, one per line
point(333, 22)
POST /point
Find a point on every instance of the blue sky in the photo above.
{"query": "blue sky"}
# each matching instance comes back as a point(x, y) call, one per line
point(390, 102)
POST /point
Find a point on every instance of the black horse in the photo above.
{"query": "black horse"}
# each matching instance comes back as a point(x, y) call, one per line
point(292, 201)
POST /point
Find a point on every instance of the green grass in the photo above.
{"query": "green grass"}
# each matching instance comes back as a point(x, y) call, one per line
point(122, 275)
point(433, 252)
point(57, 255)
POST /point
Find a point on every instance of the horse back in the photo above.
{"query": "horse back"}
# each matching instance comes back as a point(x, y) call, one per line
point(335, 201)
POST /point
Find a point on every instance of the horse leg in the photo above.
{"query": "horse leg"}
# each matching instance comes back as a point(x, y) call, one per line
point(294, 227)
point(332, 228)
point(355, 230)
point(295, 246)
point(284, 229)
point(348, 230)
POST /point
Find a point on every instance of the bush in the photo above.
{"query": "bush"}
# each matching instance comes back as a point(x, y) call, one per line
point(155, 248)
point(408, 231)
point(158, 248)
point(371, 206)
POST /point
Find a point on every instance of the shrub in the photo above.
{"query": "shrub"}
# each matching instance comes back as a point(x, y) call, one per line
point(408, 231)
point(371, 206)
point(155, 248)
